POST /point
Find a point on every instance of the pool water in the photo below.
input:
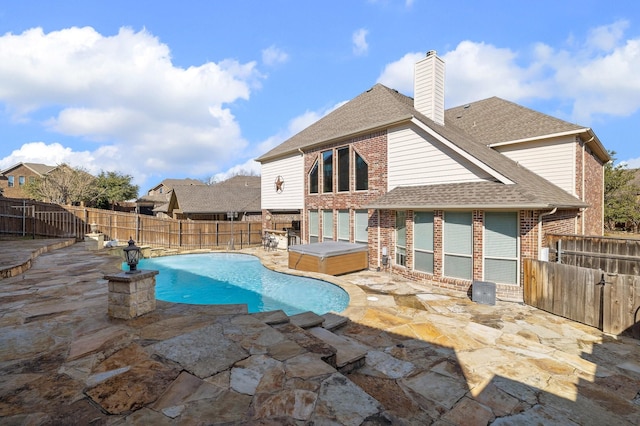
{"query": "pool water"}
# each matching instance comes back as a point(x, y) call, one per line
point(231, 278)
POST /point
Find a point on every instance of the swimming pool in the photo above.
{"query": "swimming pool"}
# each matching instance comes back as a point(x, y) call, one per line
point(232, 278)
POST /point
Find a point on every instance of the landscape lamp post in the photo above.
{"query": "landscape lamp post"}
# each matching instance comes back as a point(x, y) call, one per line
point(232, 215)
point(132, 256)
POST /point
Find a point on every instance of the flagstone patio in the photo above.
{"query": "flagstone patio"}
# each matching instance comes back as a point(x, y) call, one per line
point(408, 354)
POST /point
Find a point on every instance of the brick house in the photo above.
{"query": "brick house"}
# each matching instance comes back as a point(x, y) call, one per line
point(14, 178)
point(440, 196)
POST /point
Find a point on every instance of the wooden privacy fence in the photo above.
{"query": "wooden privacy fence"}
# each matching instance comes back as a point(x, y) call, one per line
point(594, 297)
point(613, 255)
point(29, 218)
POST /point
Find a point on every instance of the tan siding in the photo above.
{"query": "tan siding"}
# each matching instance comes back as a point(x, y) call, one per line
point(292, 172)
point(416, 159)
point(553, 159)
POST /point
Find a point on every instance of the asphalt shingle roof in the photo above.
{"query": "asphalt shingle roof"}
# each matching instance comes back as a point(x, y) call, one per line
point(381, 107)
point(240, 193)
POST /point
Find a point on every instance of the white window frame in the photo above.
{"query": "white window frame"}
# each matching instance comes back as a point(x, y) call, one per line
point(313, 227)
point(486, 255)
point(456, 250)
point(420, 240)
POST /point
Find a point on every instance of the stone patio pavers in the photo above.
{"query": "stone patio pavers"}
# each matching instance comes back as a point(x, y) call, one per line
point(433, 357)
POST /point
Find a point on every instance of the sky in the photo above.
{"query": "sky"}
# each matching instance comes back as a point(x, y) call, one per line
point(164, 89)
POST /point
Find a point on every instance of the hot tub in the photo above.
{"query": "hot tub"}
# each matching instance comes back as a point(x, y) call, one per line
point(329, 257)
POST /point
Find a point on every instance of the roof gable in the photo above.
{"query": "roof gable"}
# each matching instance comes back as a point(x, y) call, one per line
point(40, 169)
point(219, 198)
point(376, 108)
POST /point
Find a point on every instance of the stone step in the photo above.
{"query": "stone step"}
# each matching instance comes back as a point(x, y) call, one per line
point(350, 353)
point(308, 341)
point(307, 320)
point(272, 317)
point(333, 321)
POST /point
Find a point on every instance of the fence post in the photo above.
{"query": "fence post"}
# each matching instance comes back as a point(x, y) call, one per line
point(559, 252)
point(138, 228)
point(24, 218)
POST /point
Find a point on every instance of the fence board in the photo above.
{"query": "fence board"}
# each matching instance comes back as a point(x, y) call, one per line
point(563, 290)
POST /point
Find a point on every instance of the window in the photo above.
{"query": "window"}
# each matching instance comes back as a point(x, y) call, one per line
point(401, 239)
point(21, 180)
point(361, 225)
point(343, 225)
point(362, 173)
point(11, 181)
point(327, 171)
point(423, 242)
point(343, 169)
point(313, 226)
point(458, 245)
point(327, 225)
point(501, 247)
point(313, 179)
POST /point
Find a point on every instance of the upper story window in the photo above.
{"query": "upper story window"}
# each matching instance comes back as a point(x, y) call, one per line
point(11, 181)
point(362, 173)
point(327, 171)
point(313, 179)
point(21, 180)
point(343, 169)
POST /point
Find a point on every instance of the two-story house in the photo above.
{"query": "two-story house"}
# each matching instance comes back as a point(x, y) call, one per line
point(14, 179)
point(440, 196)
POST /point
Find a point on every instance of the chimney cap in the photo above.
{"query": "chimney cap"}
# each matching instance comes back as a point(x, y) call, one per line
point(431, 53)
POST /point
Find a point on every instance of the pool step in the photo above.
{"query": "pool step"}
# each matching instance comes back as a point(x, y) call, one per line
point(272, 317)
point(308, 341)
point(306, 320)
point(350, 354)
point(333, 321)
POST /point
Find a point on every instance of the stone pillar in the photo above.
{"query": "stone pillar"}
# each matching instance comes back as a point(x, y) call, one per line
point(94, 241)
point(132, 295)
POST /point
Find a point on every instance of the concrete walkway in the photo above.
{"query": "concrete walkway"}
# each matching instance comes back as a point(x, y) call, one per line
point(432, 357)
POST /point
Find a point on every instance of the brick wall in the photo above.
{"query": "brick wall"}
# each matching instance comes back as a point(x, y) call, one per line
point(594, 184)
point(373, 149)
point(16, 191)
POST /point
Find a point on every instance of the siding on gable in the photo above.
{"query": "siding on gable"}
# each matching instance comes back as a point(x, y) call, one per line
point(291, 169)
point(415, 158)
point(553, 159)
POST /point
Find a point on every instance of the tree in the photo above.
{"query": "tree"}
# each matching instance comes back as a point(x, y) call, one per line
point(620, 195)
point(112, 187)
point(63, 185)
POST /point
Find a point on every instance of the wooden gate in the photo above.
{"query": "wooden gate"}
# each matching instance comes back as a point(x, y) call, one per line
point(590, 296)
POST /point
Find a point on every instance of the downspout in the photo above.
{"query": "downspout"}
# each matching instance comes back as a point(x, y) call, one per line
point(379, 243)
point(540, 228)
point(303, 213)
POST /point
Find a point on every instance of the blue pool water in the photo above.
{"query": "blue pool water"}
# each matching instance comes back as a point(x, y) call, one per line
point(231, 278)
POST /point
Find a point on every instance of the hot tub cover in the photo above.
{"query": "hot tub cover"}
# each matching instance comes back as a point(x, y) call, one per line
point(329, 248)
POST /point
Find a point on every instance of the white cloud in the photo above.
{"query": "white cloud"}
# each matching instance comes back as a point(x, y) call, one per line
point(598, 77)
point(273, 56)
point(632, 163)
point(359, 40)
point(51, 155)
point(124, 92)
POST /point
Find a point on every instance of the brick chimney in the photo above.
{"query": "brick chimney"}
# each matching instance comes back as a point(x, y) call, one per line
point(428, 87)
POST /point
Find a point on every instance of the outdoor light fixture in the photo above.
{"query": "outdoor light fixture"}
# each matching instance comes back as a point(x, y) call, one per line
point(132, 256)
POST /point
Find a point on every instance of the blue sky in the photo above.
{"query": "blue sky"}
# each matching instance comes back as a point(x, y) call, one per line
point(160, 89)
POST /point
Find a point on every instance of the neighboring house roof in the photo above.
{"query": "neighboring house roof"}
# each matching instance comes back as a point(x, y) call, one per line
point(41, 169)
point(381, 107)
point(170, 183)
point(240, 194)
point(154, 199)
